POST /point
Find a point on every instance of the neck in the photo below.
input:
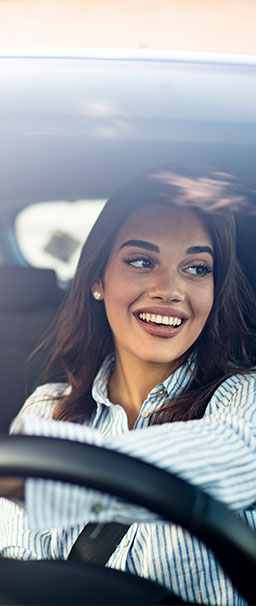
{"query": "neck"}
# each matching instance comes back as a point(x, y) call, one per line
point(132, 380)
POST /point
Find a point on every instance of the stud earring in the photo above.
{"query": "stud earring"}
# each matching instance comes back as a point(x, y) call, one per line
point(96, 294)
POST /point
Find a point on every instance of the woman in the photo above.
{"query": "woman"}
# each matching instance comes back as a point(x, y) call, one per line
point(157, 337)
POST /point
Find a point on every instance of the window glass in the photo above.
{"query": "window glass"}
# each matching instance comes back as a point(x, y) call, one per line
point(51, 234)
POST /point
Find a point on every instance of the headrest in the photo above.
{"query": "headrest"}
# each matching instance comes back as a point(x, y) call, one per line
point(28, 287)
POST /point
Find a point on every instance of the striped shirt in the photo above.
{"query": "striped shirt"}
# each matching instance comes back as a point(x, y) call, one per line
point(216, 453)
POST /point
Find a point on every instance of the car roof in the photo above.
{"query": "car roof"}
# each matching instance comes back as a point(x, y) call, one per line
point(79, 123)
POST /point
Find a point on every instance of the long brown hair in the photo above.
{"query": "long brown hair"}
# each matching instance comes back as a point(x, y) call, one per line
point(227, 343)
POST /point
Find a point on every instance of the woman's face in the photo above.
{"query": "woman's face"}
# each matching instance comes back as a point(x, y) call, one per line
point(158, 285)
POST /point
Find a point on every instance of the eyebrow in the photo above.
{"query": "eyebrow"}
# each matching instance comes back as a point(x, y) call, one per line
point(149, 246)
point(141, 244)
point(199, 249)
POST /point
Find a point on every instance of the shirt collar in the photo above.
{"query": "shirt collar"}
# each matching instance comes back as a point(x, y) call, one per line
point(179, 379)
point(100, 383)
point(172, 386)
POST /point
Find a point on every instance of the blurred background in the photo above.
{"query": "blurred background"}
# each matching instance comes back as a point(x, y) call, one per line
point(75, 126)
point(197, 25)
point(50, 233)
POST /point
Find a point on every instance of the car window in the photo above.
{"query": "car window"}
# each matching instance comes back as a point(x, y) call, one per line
point(51, 234)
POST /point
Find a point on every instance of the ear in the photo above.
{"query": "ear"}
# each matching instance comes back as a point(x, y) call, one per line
point(97, 291)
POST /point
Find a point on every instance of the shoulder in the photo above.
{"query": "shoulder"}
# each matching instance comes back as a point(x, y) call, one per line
point(42, 401)
point(238, 390)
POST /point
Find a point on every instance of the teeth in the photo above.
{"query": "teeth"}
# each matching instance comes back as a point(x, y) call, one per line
point(157, 319)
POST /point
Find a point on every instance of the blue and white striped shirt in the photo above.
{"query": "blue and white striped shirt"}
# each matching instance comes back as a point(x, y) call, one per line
point(216, 453)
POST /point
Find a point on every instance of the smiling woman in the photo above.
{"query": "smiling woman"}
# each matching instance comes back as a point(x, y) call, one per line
point(187, 223)
point(159, 327)
point(158, 293)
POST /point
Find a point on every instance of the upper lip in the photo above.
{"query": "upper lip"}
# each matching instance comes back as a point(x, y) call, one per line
point(162, 311)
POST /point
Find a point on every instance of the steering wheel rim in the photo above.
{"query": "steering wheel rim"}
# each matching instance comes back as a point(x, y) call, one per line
point(231, 540)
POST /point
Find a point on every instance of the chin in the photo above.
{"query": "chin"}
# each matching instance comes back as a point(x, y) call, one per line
point(162, 359)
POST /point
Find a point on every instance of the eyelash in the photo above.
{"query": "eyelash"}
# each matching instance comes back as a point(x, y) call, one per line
point(148, 263)
point(206, 270)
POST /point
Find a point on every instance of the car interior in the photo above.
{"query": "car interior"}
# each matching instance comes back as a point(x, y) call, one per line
point(76, 129)
point(230, 539)
point(29, 300)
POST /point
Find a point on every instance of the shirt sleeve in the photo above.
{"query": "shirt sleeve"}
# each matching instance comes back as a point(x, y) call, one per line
point(42, 401)
point(17, 539)
point(216, 453)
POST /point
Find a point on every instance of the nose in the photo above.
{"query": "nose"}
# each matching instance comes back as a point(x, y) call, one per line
point(167, 286)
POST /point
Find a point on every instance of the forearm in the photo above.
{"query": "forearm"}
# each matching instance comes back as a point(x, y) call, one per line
point(216, 453)
point(216, 457)
point(19, 541)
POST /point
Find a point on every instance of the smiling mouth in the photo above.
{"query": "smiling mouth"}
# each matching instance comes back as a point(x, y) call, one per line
point(157, 319)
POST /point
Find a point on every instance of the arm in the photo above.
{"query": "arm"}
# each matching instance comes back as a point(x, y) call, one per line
point(17, 540)
point(40, 404)
point(216, 453)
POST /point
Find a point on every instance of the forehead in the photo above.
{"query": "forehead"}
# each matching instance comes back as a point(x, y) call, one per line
point(163, 221)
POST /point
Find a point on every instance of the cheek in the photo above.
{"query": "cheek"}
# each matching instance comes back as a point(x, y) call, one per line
point(120, 288)
point(118, 294)
point(202, 301)
point(205, 302)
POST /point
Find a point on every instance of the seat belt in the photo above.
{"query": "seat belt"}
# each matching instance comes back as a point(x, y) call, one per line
point(97, 542)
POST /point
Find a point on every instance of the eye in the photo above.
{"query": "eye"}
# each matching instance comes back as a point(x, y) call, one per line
point(140, 262)
point(200, 271)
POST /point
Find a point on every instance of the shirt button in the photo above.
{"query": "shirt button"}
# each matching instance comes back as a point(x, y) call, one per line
point(97, 508)
point(145, 414)
point(161, 392)
point(126, 543)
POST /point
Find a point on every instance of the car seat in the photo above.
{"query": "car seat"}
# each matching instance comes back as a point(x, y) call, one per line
point(29, 300)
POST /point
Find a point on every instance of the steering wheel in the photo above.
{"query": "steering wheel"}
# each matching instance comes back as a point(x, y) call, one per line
point(66, 582)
